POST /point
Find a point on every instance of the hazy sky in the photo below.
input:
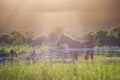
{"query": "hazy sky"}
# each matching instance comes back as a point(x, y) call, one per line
point(43, 15)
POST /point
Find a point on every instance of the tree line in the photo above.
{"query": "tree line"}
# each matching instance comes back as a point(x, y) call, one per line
point(104, 37)
point(99, 37)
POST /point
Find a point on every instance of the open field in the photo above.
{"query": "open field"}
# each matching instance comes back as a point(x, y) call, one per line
point(61, 71)
point(22, 70)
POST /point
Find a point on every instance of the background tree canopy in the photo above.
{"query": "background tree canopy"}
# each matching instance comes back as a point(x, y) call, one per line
point(99, 37)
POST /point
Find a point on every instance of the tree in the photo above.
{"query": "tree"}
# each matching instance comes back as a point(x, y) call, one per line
point(101, 37)
point(6, 38)
point(40, 40)
point(26, 36)
point(114, 35)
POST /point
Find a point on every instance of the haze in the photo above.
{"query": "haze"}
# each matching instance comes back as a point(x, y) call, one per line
point(43, 15)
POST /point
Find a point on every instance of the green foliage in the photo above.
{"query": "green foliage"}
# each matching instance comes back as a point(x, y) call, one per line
point(60, 71)
point(40, 40)
point(99, 37)
point(18, 41)
point(102, 37)
point(4, 49)
point(5, 39)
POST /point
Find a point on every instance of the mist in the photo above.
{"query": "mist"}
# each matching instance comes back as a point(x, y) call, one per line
point(44, 15)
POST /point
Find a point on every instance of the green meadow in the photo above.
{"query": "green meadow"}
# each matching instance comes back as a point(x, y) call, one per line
point(60, 71)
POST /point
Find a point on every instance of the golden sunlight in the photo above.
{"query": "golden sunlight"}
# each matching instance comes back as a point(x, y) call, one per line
point(40, 15)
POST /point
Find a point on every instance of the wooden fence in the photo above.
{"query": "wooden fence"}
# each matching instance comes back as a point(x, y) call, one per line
point(98, 50)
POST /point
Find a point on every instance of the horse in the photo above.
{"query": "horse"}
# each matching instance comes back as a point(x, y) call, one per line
point(72, 43)
point(32, 56)
point(13, 53)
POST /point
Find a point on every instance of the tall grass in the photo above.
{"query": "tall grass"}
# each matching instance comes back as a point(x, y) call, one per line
point(60, 71)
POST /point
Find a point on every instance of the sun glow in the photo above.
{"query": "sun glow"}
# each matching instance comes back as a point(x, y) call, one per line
point(46, 14)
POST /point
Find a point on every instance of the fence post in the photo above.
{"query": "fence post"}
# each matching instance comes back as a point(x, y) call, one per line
point(51, 56)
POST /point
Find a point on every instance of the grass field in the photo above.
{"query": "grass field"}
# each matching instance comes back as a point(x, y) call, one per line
point(61, 71)
point(22, 70)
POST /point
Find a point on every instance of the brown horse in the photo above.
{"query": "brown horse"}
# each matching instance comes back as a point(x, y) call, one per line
point(13, 53)
point(72, 43)
point(32, 56)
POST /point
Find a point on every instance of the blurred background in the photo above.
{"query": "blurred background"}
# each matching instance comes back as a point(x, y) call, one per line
point(43, 16)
